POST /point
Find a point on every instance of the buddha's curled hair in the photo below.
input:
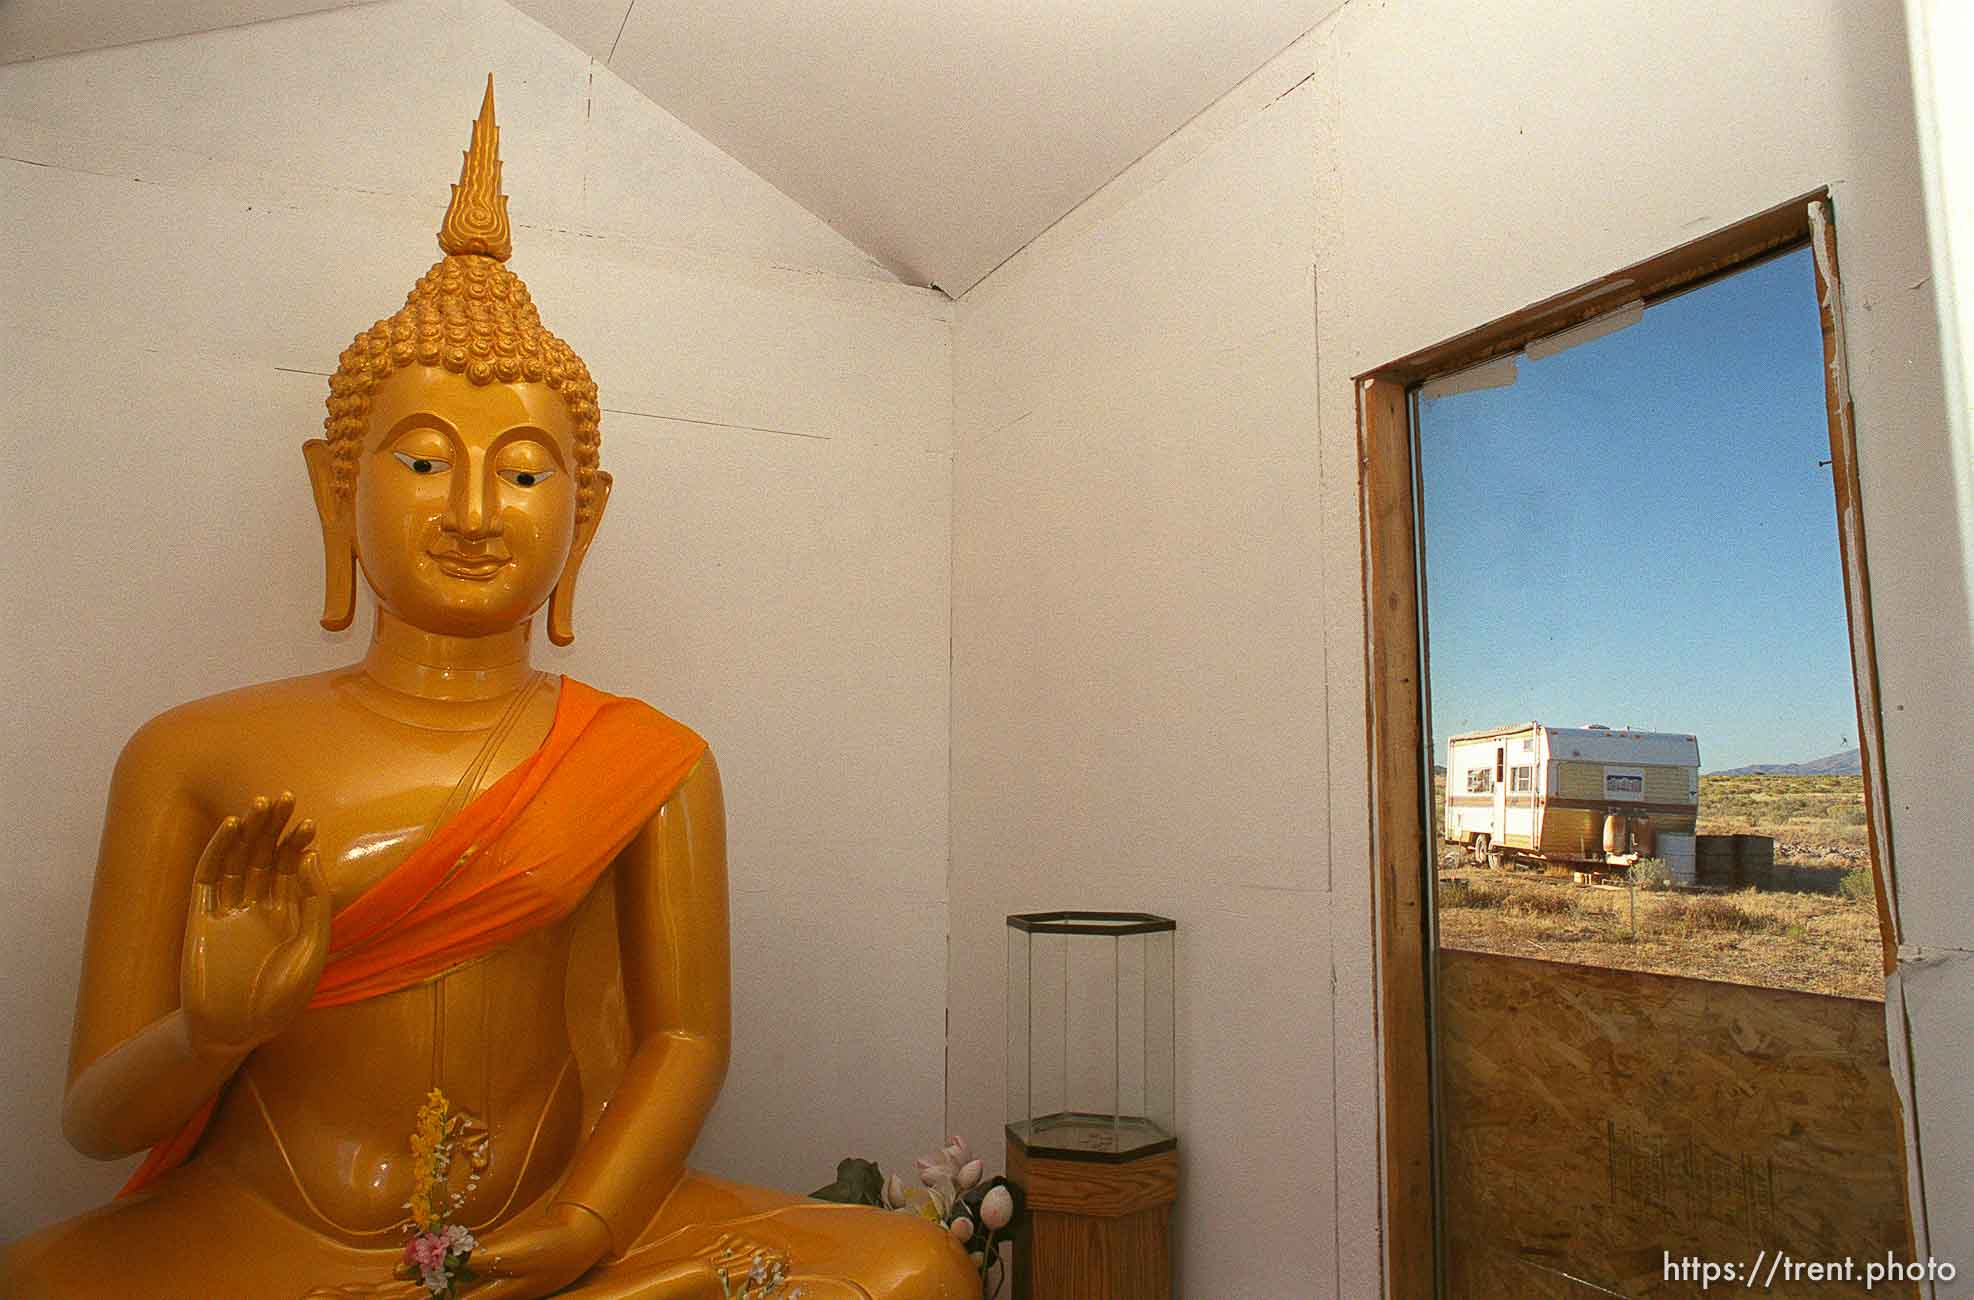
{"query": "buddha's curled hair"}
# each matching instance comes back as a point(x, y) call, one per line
point(471, 315)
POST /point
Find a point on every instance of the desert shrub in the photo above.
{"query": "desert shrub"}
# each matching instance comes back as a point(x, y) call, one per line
point(1857, 886)
point(1462, 893)
point(1709, 912)
point(1541, 902)
point(1651, 873)
point(1853, 816)
point(1537, 901)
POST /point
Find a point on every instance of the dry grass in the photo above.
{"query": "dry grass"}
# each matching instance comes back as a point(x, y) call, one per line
point(1814, 928)
point(1819, 942)
point(1681, 914)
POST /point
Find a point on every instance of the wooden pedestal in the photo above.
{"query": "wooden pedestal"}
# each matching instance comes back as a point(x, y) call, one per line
point(1095, 1230)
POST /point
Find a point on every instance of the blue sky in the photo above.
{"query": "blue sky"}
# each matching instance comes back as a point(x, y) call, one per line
point(1637, 532)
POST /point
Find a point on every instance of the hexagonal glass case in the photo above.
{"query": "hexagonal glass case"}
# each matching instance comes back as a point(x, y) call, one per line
point(1090, 1034)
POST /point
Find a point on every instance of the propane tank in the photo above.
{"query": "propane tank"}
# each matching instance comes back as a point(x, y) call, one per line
point(1617, 834)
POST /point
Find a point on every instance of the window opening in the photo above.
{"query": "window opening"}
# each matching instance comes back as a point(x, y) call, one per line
point(1634, 524)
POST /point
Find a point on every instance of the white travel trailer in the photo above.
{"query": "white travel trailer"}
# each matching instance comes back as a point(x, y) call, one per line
point(1568, 794)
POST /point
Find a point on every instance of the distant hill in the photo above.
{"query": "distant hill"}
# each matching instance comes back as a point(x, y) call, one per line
point(1848, 763)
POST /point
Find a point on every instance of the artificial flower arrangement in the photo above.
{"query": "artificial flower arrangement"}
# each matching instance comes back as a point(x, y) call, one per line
point(437, 1252)
point(764, 1280)
point(953, 1192)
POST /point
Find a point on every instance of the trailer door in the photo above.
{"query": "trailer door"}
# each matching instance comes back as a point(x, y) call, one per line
point(1499, 829)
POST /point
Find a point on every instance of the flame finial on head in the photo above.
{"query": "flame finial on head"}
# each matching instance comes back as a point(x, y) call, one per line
point(469, 315)
point(476, 219)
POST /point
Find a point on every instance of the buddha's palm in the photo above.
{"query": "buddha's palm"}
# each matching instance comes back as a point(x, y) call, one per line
point(257, 931)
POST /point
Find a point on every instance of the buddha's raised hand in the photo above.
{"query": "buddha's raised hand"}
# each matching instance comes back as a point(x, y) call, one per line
point(257, 931)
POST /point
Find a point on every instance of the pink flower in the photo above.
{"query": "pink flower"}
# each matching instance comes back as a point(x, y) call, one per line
point(962, 1229)
point(946, 1162)
point(427, 1250)
point(969, 1175)
point(997, 1208)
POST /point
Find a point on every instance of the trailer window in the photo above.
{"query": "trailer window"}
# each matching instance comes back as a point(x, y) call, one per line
point(1522, 781)
point(1480, 781)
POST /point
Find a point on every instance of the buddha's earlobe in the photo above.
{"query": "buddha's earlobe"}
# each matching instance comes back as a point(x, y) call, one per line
point(338, 537)
point(562, 601)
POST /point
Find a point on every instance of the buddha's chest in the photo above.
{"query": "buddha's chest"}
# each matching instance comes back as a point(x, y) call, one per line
point(373, 790)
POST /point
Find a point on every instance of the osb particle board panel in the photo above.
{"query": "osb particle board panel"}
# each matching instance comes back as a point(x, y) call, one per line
point(1595, 1119)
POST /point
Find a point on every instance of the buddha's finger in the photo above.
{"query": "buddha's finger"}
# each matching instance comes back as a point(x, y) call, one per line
point(233, 875)
point(213, 861)
point(315, 895)
point(240, 854)
point(259, 890)
point(256, 817)
point(258, 851)
point(255, 892)
point(277, 830)
point(296, 839)
point(286, 899)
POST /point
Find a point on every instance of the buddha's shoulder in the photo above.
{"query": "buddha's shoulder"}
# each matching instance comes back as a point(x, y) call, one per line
point(241, 715)
point(640, 714)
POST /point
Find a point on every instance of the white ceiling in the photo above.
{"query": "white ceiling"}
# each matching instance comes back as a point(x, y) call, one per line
point(940, 136)
point(36, 29)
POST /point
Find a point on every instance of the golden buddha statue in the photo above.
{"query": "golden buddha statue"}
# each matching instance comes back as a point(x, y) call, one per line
point(321, 899)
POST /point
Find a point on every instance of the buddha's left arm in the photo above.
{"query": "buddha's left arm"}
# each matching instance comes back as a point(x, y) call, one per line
point(672, 929)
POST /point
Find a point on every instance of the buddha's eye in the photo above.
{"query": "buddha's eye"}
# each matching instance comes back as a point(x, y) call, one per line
point(527, 477)
point(422, 464)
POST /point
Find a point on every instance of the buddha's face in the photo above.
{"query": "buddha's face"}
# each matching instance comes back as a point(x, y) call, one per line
point(465, 512)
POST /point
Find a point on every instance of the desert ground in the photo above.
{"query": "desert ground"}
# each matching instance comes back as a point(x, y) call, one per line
point(1815, 928)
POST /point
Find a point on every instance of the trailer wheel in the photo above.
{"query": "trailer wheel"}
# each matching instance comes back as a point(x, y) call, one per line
point(1496, 859)
point(1477, 849)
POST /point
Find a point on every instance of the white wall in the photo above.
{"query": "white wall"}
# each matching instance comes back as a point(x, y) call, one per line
point(1157, 611)
point(1937, 981)
point(1480, 158)
point(195, 229)
point(1138, 665)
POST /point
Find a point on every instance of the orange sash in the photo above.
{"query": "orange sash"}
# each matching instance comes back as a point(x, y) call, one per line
point(521, 855)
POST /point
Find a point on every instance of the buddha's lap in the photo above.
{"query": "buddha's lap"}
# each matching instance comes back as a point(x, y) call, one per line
point(885, 1255)
point(197, 1235)
point(192, 1235)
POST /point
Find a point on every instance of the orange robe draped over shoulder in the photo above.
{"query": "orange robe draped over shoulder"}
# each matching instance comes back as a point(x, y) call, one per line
point(521, 855)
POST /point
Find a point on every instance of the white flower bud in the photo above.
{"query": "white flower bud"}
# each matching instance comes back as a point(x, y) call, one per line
point(997, 1208)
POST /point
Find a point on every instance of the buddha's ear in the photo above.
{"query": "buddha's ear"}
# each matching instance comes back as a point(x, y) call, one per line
point(333, 508)
point(561, 603)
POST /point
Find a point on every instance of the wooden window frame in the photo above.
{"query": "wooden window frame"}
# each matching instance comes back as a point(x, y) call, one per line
point(1395, 685)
